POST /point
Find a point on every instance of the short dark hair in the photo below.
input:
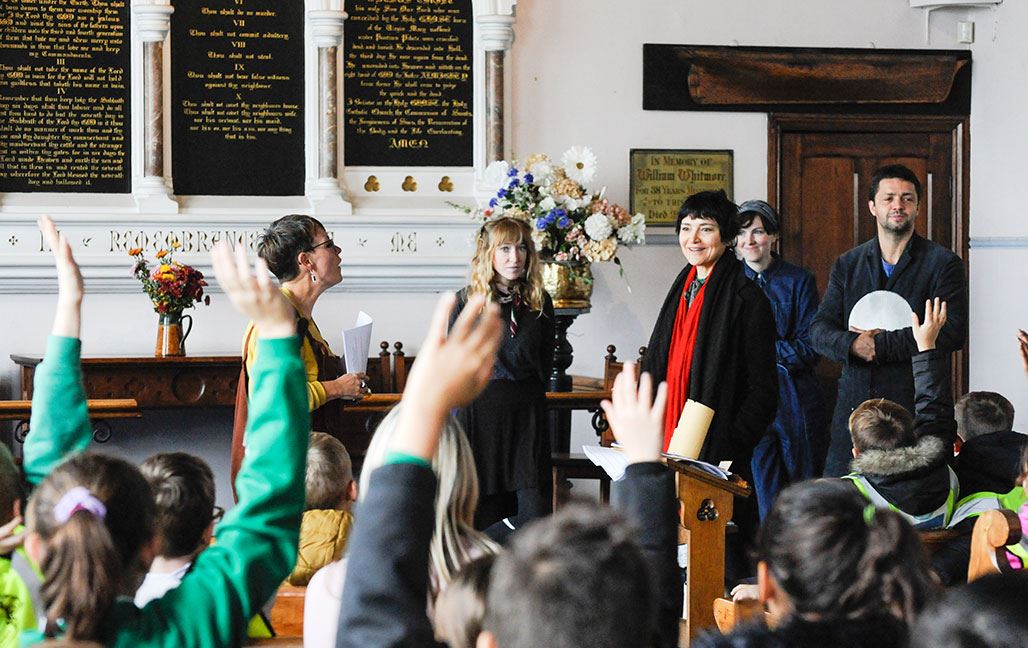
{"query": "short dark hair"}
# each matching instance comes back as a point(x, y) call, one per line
point(983, 412)
point(183, 489)
point(837, 558)
point(987, 613)
point(283, 240)
point(710, 205)
point(574, 579)
point(897, 171)
point(880, 424)
point(329, 472)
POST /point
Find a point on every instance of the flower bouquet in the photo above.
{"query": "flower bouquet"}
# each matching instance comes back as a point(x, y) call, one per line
point(171, 286)
point(570, 224)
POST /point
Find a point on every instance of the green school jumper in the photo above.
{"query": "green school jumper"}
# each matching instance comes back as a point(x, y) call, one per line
point(258, 538)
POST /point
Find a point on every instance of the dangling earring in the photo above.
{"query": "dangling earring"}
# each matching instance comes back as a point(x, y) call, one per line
point(314, 277)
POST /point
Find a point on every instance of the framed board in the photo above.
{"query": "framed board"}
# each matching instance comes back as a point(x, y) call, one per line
point(663, 178)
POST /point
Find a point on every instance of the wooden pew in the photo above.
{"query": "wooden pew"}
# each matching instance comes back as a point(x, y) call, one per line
point(993, 531)
point(100, 410)
point(287, 613)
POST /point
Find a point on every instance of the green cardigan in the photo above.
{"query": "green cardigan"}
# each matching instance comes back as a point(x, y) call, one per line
point(258, 538)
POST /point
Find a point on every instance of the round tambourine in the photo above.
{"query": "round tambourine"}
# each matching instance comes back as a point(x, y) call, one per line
point(880, 309)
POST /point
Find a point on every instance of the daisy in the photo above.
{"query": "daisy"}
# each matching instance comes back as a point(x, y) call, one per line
point(579, 164)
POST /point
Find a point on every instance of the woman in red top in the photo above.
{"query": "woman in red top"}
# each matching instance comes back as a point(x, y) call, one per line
point(714, 342)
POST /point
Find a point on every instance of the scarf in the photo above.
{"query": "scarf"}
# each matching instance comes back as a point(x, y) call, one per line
point(683, 342)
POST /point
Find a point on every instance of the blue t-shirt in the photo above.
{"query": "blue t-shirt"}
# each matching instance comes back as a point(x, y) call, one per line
point(888, 267)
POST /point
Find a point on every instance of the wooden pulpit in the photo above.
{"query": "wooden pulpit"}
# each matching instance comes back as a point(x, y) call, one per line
point(705, 508)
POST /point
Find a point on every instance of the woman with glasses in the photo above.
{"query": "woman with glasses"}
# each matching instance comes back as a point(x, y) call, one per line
point(300, 253)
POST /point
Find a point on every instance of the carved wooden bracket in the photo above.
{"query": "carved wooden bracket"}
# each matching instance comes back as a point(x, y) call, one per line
point(767, 79)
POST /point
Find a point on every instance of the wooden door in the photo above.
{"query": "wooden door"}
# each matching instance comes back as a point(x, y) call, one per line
point(820, 172)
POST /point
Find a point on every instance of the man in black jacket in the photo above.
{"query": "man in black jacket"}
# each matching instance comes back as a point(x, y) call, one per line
point(876, 364)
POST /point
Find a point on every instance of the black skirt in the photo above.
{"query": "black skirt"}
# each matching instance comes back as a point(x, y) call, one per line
point(508, 430)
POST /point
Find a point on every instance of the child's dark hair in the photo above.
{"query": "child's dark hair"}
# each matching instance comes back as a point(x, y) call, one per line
point(183, 490)
point(329, 472)
point(982, 412)
point(10, 485)
point(880, 424)
point(988, 613)
point(839, 558)
point(577, 578)
point(94, 513)
point(460, 608)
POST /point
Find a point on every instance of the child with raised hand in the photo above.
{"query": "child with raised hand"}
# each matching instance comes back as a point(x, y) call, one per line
point(91, 518)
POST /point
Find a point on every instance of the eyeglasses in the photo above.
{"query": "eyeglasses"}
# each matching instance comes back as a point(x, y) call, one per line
point(217, 515)
point(327, 243)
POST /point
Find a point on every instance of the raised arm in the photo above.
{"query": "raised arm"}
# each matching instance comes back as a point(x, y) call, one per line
point(949, 286)
point(933, 400)
point(647, 496)
point(829, 332)
point(386, 582)
point(59, 424)
point(257, 540)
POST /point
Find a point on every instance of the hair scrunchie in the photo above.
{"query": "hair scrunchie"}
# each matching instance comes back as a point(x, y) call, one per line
point(78, 499)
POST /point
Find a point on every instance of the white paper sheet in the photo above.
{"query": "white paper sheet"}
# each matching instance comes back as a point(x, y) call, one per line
point(880, 309)
point(357, 343)
point(611, 460)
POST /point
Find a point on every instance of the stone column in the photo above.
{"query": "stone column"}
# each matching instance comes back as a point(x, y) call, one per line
point(152, 24)
point(497, 34)
point(327, 32)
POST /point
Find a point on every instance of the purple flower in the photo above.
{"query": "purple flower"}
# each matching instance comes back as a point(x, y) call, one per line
point(513, 183)
point(564, 222)
point(529, 178)
point(502, 193)
point(493, 202)
point(540, 224)
point(512, 172)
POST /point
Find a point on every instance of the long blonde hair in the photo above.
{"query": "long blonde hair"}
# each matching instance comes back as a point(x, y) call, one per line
point(493, 234)
point(455, 542)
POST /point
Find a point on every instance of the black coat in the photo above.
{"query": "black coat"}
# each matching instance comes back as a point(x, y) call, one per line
point(882, 632)
point(733, 365)
point(925, 270)
point(990, 463)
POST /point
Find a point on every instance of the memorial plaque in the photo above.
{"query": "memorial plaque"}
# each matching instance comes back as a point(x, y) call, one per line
point(64, 96)
point(408, 83)
point(663, 178)
point(237, 97)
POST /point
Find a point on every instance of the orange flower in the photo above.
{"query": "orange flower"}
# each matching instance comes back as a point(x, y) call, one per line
point(175, 244)
point(165, 268)
point(161, 254)
point(135, 251)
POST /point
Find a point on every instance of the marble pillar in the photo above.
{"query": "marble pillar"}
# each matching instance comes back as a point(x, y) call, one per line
point(497, 36)
point(153, 191)
point(326, 193)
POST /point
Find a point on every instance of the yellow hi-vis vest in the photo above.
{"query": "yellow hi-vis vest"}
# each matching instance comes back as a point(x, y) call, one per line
point(937, 519)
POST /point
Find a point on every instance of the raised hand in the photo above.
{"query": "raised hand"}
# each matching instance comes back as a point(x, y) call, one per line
point(637, 424)
point(450, 372)
point(253, 293)
point(68, 318)
point(934, 317)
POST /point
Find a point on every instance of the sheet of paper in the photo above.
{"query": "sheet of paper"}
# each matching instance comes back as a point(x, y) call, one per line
point(613, 461)
point(880, 309)
point(357, 343)
point(687, 441)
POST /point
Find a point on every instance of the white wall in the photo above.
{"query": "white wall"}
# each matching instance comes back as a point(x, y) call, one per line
point(577, 79)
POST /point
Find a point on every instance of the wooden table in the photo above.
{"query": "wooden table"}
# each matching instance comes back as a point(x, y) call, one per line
point(210, 382)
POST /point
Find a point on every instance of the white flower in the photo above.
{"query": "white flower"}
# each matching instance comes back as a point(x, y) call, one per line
point(598, 227)
point(541, 239)
point(547, 203)
point(634, 232)
point(579, 164)
point(571, 204)
point(542, 172)
point(495, 175)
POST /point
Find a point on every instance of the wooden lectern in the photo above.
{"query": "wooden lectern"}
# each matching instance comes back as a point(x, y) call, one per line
point(705, 508)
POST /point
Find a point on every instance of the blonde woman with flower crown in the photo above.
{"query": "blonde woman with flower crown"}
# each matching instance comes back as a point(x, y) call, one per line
point(507, 424)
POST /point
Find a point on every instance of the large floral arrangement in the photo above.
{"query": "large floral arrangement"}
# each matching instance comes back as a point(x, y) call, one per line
point(172, 286)
point(570, 223)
